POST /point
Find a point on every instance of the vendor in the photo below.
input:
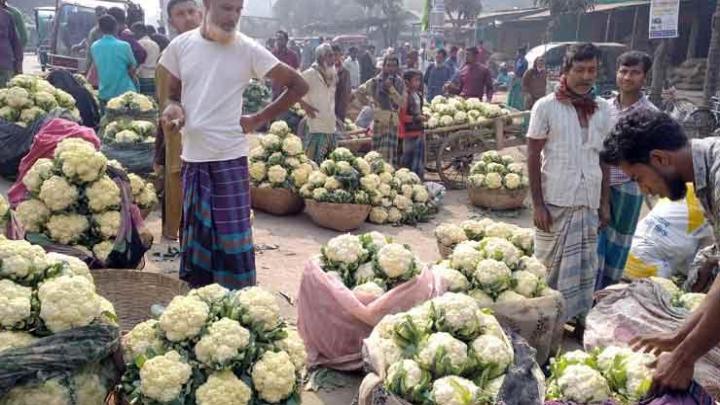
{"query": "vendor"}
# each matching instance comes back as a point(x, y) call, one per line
point(473, 79)
point(652, 149)
point(319, 103)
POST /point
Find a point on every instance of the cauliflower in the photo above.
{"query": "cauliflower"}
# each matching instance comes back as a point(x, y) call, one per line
point(162, 377)
point(80, 161)
point(45, 101)
point(371, 182)
point(58, 194)
point(396, 261)
point(301, 174)
point(534, 266)
point(433, 122)
point(127, 136)
point(294, 346)
point(378, 215)
point(14, 304)
point(320, 194)
point(38, 173)
point(277, 174)
point(394, 215)
point(370, 288)
point(327, 167)
point(332, 184)
point(65, 100)
point(443, 354)
point(493, 354)
point(499, 230)
point(342, 154)
point(446, 121)
point(666, 285)
point(222, 388)
point(260, 309)
point(501, 250)
point(523, 238)
point(72, 264)
point(582, 384)
point(482, 298)
point(279, 128)
point(610, 355)
point(512, 181)
point(103, 249)
point(466, 256)
point(454, 390)
point(17, 98)
point(68, 302)
point(493, 181)
point(67, 228)
point(20, 260)
point(455, 280)
point(420, 194)
point(344, 249)
point(148, 197)
point(292, 145)
point(184, 318)
point(224, 341)
point(274, 376)
point(211, 294)
point(317, 179)
point(257, 171)
point(691, 301)
point(363, 166)
point(107, 224)
point(32, 214)
point(493, 276)
point(517, 168)
point(407, 379)
point(50, 392)
point(456, 314)
point(14, 340)
point(8, 113)
point(509, 296)
point(141, 339)
point(450, 235)
point(526, 284)
point(402, 203)
point(638, 377)
point(89, 389)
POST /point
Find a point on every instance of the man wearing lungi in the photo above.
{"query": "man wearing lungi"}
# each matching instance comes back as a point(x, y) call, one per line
point(319, 103)
point(565, 136)
point(626, 200)
point(652, 149)
point(213, 65)
point(385, 93)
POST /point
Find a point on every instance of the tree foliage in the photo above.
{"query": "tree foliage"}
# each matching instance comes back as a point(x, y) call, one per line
point(462, 12)
point(394, 14)
point(558, 7)
point(299, 13)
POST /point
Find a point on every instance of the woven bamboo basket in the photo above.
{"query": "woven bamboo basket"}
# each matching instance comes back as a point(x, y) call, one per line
point(501, 199)
point(445, 251)
point(276, 201)
point(338, 217)
point(134, 292)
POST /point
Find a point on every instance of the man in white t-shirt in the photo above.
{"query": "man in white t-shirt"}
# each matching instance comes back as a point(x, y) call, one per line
point(146, 71)
point(319, 103)
point(353, 66)
point(213, 65)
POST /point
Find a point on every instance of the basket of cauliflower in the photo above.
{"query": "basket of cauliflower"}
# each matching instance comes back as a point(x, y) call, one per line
point(57, 335)
point(366, 277)
point(29, 98)
point(214, 346)
point(493, 263)
point(449, 351)
point(278, 169)
point(75, 200)
point(613, 373)
point(449, 113)
point(130, 105)
point(334, 197)
point(497, 182)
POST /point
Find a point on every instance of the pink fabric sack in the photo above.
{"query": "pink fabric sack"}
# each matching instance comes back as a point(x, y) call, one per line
point(333, 321)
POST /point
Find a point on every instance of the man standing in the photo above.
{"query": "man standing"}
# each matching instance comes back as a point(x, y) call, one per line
point(284, 55)
point(114, 62)
point(453, 60)
point(352, 65)
point(183, 16)
point(367, 64)
point(651, 148)
point(625, 197)
point(11, 50)
point(569, 191)
point(18, 20)
point(437, 75)
point(161, 40)
point(216, 241)
point(124, 34)
point(534, 82)
point(93, 36)
point(473, 79)
point(319, 103)
point(343, 90)
point(413, 60)
point(146, 71)
point(483, 54)
point(385, 93)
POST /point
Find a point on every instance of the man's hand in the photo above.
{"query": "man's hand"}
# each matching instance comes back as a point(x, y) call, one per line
point(250, 123)
point(656, 343)
point(173, 116)
point(705, 274)
point(671, 374)
point(311, 111)
point(542, 218)
point(604, 214)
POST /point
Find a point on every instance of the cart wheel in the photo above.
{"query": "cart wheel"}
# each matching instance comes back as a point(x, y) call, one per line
point(456, 155)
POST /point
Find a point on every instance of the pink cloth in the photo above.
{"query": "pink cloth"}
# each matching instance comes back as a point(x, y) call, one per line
point(333, 321)
point(43, 146)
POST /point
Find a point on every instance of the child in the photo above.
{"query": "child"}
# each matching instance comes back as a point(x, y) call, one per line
point(412, 124)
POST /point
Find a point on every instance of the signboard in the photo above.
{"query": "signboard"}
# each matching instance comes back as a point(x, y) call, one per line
point(664, 19)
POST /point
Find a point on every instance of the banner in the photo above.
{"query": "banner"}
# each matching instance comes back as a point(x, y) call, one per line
point(664, 19)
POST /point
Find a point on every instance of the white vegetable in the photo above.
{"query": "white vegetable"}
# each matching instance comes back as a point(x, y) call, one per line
point(345, 249)
point(67, 228)
point(183, 318)
point(223, 388)
point(142, 338)
point(68, 302)
point(32, 214)
point(583, 384)
point(395, 261)
point(466, 256)
point(57, 193)
point(526, 283)
point(455, 280)
point(274, 376)
point(224, 341)
point(443, 354)
point(454, 390)
point(370, 288)
point(14, 340)
point(493, 354)
point(260, 309)
point(14, 304)
point(162, 377)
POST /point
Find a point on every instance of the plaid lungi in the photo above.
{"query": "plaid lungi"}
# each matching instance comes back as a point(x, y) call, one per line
point(569, 252)
point(217, 245)
point(386, 145)
point(318, 146)
point(146, 86)
point(615, 240)
point(413, 156)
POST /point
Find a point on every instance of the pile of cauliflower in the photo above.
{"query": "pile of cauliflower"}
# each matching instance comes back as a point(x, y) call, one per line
point(613, 373)
point(212, 346)
point(450, 111)
point(445, 351)
point(255, 97)
point(492, 262)
point(86, 84)
point(28, 98)
point(679, 298)
point(369, 264)
point(125, 131)
point(4, 214)
point(495, 172)
point(42, 294)
point(74, 202)
point(131, 103)
point(279, 161)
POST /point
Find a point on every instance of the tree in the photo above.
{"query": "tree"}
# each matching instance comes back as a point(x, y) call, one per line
point(462, 12)
point(395, 17)
point(299, 13)
point(713, 59)
point(560, 7)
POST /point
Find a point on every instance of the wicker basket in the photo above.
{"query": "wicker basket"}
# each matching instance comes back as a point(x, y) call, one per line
point(276, 201)
point(134, 292)
point(339, 217)
point(501, 199)
point(445, 251)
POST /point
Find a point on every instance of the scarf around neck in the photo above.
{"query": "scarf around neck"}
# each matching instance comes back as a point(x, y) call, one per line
point(585, 105)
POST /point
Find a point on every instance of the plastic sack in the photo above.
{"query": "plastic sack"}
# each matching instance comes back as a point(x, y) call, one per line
point(57, 355)
point(84, 100)
point(333, 321)
point(16, 141)
point(524, 383)
point(623, 312)
point(137, 158)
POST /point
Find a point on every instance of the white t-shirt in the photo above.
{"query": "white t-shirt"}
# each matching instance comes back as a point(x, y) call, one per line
point(322, 97)
point(147, 69)
point(213, 78)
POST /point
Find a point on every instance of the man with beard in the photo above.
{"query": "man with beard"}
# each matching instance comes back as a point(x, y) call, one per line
point(184, 15)
point(567, 183)
point(385, 94)
point(284, 55)
point(319, 103)
point(343, 90)
point(216, 239)
point(652, 149)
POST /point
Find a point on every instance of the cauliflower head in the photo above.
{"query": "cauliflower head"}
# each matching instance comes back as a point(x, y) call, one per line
point(691, 301)
point(526, 284)
point(14, 304)
point(71, 264)
point(14, 340)
point(162, 377)
point(406, 378)
point(466, 256)
point(493, 354)
point(292, 145)
point(583, 384)
point(103, 250)
point(457, 314)
point(378, 215)
point(260, 309)
point(454, 390)
point(257, 171)
point(184, 318)
point(534, 266)
point(58, 194)
point(68, 302)
point(493, 181)
point(107, 224)
point(493, 276)
point(294, 346)
point(396, 261)
point(221, 387)
point(211, 294)
point(344, 249)
point(501, 250)
point(274, 376)
point(512, 181)
point(67, 228)
point(38, 173)
point(277, 174)
point(80, 162)
point(224, 341)
point(450, 235)
point(443, 355)
point(279, 128)
point(20, 260)
point(141, 339)
point(369, 288)
point(50, 392)
point(32, 214)
point(455, 280)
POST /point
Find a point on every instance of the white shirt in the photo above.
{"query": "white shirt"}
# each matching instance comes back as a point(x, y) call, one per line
point(322, 97)
point(147, 69)
point(214, 77)
point(353, 67)
point(570, 164)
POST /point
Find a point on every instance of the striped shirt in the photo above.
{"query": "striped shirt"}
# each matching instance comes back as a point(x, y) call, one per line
point(570, 163)
point(617, 110)
point(706, 165)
